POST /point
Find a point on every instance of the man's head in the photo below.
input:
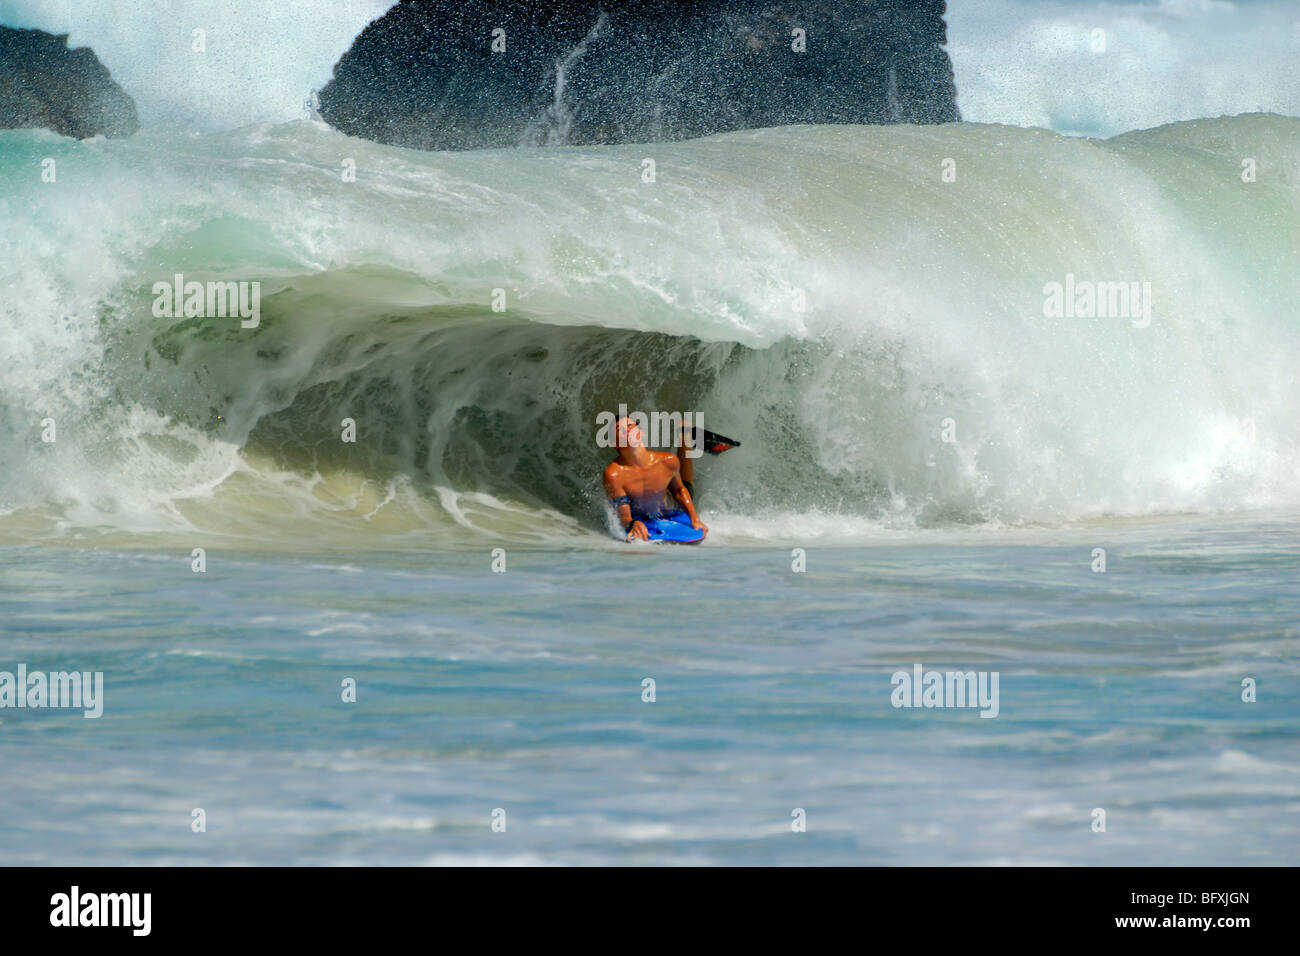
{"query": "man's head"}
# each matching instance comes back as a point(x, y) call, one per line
point(627, 434)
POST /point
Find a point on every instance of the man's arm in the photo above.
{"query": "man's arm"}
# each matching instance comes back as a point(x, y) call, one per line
point(676, 486)
point(618, 496)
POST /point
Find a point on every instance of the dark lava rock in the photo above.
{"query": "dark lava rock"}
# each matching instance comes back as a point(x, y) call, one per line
point(43, 83)
point(426, 75)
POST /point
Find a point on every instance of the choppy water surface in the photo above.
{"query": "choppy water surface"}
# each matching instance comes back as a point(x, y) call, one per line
point(523, 691)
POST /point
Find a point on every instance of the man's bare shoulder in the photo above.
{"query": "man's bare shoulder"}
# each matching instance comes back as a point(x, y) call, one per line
point(669, 459)
point(614, 469)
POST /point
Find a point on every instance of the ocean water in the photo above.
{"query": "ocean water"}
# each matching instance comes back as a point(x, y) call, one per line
point(523, 691)
point(943, 456)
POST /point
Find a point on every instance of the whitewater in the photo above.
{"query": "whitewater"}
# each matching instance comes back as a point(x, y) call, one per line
point(863, 306)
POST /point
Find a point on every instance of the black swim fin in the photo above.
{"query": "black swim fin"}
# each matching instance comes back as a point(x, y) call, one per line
point(713, 443)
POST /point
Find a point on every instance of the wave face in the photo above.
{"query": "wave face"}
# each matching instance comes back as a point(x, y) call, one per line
point(921, 385)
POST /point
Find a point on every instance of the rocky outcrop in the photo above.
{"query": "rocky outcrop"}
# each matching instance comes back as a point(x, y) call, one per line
point(465, 74)
point(43, 83)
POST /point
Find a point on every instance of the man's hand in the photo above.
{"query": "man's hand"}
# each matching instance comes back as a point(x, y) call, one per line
point(638, 530)
point(699, 525)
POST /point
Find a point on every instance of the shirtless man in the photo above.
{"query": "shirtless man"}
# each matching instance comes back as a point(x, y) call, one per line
point(637, 481)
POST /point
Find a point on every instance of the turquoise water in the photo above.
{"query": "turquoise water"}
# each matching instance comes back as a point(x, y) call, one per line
point(522, 691)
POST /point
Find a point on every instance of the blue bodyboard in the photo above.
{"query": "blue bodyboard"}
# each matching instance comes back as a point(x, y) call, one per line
point(674, 527)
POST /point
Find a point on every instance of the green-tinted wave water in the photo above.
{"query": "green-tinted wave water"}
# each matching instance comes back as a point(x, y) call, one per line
point(863, 306)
